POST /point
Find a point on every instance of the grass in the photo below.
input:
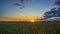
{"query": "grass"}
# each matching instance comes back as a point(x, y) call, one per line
point(25, 28)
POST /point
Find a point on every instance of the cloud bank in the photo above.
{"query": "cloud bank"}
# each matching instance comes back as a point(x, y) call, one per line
point(54, 12)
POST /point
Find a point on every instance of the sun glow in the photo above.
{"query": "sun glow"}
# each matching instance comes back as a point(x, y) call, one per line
point(31, 20)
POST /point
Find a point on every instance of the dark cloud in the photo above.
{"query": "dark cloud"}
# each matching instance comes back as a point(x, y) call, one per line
point(17, 4)
point(57, 2)
point(54, 12)
point(20, 5)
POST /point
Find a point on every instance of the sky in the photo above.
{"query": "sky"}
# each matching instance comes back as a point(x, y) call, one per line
point(32, 9)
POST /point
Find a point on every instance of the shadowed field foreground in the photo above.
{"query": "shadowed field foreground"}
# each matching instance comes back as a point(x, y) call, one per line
point(27, 28)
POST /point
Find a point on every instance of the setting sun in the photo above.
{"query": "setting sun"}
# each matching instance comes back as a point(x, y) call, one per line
point(31, 20)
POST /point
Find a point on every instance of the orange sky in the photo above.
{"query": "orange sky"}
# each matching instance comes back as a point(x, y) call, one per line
point(18, 19)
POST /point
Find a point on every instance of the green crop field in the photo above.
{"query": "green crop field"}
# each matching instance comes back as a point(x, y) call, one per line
point(25, 28)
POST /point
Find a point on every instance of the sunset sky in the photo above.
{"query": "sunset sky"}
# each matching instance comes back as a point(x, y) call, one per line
point(34, 9)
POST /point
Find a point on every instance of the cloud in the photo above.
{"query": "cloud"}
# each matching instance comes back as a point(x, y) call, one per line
point(54, 19)
point(20, 5)
point(54, 12)
point(22, 1)
point(57, 2)
point(17, 4)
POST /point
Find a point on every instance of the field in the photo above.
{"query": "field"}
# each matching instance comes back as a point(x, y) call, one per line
point(30, 28)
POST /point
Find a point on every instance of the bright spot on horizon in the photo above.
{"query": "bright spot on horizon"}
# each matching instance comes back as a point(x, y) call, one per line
point(31, 20)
